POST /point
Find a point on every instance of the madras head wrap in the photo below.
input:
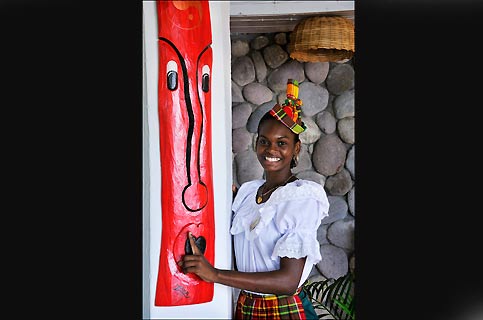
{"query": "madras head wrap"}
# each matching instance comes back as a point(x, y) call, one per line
point(288, 112)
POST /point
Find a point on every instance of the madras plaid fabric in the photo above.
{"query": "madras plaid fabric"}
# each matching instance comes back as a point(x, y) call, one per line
point(280, 113)
point(288, 112)
point(272, 307)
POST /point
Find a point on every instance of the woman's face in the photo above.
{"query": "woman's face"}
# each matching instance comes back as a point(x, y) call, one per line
point(276, 145)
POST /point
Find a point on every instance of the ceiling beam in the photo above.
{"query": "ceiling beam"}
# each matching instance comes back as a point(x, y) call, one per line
point(251, 8)
point(281, 16)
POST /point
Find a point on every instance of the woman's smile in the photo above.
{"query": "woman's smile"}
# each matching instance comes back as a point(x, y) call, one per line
point(272, 159)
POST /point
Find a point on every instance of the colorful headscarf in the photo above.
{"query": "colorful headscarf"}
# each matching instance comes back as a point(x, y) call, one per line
point(288, 112)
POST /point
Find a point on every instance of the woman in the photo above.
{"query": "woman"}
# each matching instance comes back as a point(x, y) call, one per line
point(274, 226)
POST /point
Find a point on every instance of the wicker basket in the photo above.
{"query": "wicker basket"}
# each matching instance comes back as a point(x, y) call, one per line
point(322, 39)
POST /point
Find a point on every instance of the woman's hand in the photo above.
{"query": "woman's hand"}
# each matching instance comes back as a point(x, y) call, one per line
point(196, 263)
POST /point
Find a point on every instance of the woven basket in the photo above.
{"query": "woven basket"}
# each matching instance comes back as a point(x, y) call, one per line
point(322, 39)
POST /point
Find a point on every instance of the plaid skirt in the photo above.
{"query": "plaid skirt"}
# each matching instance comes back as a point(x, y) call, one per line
point(254, 306)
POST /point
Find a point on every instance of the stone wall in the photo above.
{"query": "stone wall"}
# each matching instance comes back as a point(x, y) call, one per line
point(260, 68)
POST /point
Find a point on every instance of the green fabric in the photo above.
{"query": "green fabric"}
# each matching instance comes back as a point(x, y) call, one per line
point(308, 307)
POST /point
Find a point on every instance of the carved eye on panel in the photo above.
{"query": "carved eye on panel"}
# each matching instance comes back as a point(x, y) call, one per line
point(172, 73)
point(205, 79)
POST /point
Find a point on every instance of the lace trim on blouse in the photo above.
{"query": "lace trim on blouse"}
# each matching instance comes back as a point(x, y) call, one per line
point(297, 190)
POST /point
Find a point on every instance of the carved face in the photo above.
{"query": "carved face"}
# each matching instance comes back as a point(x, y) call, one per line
point(184, 115)
point(184, 96)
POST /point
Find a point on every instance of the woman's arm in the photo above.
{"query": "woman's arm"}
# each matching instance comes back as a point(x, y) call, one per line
point(282, 281)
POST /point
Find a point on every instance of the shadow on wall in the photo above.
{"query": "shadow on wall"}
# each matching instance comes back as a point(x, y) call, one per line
point(260, 68)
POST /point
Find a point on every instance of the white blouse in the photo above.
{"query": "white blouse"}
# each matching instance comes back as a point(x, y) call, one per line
point(284, 226)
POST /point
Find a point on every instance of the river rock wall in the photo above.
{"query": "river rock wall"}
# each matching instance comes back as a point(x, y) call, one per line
point(260, 68)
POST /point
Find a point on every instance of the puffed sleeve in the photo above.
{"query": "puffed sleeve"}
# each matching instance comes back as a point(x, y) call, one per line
point(298, 221)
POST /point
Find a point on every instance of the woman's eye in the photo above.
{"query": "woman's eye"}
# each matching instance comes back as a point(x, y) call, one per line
point(262, 141)
point(282, 143)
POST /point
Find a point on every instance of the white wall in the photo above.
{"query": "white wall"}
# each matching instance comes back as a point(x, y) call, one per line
point(222, 304)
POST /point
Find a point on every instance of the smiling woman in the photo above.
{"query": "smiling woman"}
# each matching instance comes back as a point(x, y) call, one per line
point(276, 148)
point(274, 226)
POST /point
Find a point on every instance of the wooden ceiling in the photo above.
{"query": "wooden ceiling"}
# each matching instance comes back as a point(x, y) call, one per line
point(282, 16)
point(275, 23)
